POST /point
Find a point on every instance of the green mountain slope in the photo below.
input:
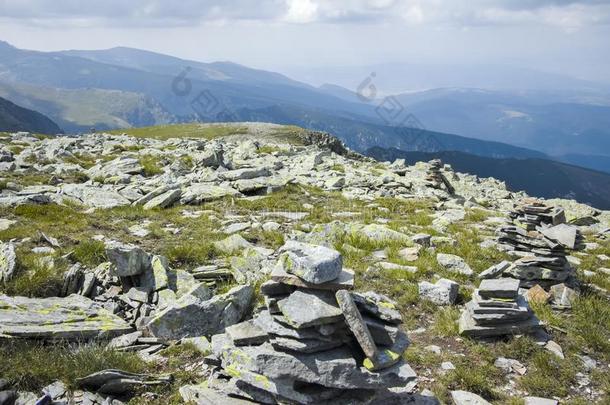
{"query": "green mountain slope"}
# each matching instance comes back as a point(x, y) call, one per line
point(15, 118)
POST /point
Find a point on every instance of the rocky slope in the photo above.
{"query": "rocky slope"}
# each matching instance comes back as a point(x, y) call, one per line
point(257, 262)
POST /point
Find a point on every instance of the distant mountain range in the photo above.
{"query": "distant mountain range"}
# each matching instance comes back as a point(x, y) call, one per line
point(14, 118)
point(124, 87)
point(538, 177)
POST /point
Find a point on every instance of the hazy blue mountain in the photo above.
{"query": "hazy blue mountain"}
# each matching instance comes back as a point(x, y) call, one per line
point(556, 123)
point(15, 118)
point(361, 135)
point(538, 177)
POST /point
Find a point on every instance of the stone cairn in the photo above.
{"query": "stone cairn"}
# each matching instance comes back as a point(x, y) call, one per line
point(315, 342)
point(436, 179)
point(498, 309)
point(542, 240)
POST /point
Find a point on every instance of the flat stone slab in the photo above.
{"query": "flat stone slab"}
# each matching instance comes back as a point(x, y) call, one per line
point(305, 308)
point(313, 263)
point(246, 333)
point(304, 345)
point(71, 318)
point(345, 281)
point(499, 288)
point(468, 327)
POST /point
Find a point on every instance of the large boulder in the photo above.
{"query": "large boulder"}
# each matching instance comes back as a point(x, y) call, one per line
point(443, 292)
point(190, 316)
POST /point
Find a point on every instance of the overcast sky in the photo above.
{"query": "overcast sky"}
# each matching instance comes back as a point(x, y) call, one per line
point(561, 36)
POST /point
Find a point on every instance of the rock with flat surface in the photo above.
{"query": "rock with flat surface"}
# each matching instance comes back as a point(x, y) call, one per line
point(305, 308)
point(312, 263)
point(128, 260)
point(345, 280)
point(8, 260)
point(495, 271)
point(163, 200)
point(118, 382)
point(71, 318)
point(467, 398)
point(246, 333)
point(356, 324)
point(191, 316)
point(232, 244)
point(443, 292)
point(454, 264)
point(539, 401)
point(499, 288)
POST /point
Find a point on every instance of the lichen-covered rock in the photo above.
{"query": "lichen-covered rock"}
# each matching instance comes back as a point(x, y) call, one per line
point(71, 318)
point(128, 260)
point(191, 316)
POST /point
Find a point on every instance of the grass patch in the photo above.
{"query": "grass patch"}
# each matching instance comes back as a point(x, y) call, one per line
point(151, 165)
point(189, 253)
point(548, 376)
point(445, 321)
point(470, 375)
point(268, 149)
point(338, 168)
point(90, 252)
point(30, 366)
point(193, 130)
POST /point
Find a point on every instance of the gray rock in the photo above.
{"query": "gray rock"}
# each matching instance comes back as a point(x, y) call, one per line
point(129, 260)
point(8, 261)
point(377, 305)
point(566, 235)
point(422, 239)
point(55, 390)
point(467, 398)
point(345, 280)
point(499, 288)
point(6, 224)
point(305, 308)
point(124, 340)
point(190, 316)
point(242, 174)
point(163, 200)
point(232, 244)
point(454, 263)
point(246, 333)
point(314, 264)
point(554, 348)
point(336, 368)
point(539, 401)
point(118, 382)
point(495, 271)
point(8, 397)
point(563, 295)
point(70, 318)
point(199, 193)
point(468, 327)
point(356, 323)
point(156, 277)
point(443, 292)
point(304, 345)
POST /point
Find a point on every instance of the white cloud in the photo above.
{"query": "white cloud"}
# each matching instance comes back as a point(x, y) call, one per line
point(301, 11)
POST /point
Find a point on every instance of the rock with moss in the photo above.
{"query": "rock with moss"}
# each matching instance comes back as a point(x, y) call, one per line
point(128, 260)
point(191, 316)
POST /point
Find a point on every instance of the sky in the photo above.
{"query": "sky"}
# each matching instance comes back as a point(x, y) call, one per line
point(293, 36)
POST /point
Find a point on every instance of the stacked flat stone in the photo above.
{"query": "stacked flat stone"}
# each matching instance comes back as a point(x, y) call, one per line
point(531, 213)
point(435, 177)
point(542, 240)
point(315, 342)
point(497, 309)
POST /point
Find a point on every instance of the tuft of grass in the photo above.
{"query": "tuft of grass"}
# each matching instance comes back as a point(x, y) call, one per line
point(268, 149)
point(548, 376)
point(189, 253)
point(480, 378)
point(30, 366)
point(445, 321)
point(90, 252)
point(151, 165)
point(34, 277)
point(338, 168)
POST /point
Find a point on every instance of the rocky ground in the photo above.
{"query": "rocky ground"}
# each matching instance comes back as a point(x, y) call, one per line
point(128, 264)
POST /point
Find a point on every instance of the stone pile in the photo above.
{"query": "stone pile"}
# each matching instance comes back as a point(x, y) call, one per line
point(315, 342)
point(436, 179)
point(497, 309)
point(542, 240)
point(530, 213)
